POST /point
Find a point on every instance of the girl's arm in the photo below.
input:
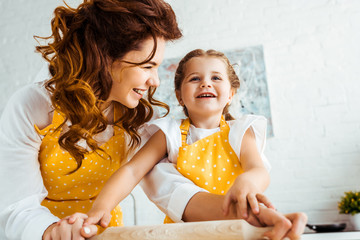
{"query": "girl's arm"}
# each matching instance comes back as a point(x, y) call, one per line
point(248, 186)
point(123, 181)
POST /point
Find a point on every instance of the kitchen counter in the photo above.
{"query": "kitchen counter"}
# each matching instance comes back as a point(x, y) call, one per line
point(354, 235)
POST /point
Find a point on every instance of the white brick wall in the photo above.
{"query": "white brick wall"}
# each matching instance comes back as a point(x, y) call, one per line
point(312, 52)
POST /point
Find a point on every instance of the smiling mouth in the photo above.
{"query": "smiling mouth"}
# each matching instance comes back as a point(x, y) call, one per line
point(206, 95)
point(138, 91)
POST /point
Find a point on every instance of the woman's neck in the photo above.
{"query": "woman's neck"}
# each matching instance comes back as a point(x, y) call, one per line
point(108, 111)
point(206, 122)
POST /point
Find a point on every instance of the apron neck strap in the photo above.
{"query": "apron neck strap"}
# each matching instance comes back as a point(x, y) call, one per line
point(185, 125)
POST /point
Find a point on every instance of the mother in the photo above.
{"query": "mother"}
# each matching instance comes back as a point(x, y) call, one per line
point(62, 138)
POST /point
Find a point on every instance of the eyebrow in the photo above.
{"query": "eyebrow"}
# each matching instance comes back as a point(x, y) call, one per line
point(195, 73)
point(152, 63)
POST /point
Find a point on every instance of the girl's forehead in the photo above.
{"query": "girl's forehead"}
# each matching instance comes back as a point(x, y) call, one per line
point(206, 62)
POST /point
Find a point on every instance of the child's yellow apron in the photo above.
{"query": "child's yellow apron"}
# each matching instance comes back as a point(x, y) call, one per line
point(210, 163)
point(76, 192)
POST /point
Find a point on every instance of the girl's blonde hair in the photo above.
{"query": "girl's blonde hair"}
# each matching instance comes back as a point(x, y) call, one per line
point(181, 69)
point(84, 43)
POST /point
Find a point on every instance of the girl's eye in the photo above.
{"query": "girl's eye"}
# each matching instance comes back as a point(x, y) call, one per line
point(216, 78)
point(194, 79)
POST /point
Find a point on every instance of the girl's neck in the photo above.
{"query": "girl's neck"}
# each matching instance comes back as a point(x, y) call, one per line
point(206, 122)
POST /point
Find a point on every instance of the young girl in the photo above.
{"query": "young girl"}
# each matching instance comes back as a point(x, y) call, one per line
point(219, 156)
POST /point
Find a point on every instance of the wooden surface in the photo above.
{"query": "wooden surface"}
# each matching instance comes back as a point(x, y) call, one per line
point(229, 229)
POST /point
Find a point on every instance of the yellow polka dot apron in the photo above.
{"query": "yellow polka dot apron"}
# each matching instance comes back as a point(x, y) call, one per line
point(210, 162)
point(75, 192)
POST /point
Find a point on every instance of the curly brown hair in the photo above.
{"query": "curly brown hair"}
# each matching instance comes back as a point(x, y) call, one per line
point(85, 41)
point(233, 78)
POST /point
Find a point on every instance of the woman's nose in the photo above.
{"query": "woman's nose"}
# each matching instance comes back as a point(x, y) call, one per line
point(154, 81)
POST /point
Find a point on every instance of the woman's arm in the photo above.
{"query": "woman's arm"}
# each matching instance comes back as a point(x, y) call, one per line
point(21, 183)
point(123, 181)
point(169, 189)
point(207, 206)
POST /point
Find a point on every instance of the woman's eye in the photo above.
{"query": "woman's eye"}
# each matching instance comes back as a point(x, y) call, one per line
point(148, 67)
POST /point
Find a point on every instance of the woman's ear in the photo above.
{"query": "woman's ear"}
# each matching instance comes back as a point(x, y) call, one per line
point(178, 96)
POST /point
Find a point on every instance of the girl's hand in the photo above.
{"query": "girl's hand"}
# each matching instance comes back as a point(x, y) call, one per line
point(244, 193)
point(64, 230)
point(98, 216)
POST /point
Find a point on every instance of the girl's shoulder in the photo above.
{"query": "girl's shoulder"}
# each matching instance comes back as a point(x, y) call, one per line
point(166, 121)
point(166, 124)
point(247, 120)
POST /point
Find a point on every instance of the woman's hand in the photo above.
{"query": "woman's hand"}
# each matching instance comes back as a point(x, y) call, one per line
point(243, 193)
point(289, 225)
point(66, 229)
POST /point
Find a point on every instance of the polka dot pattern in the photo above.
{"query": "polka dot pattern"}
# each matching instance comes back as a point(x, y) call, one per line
point(68, 191)
point(209, 162)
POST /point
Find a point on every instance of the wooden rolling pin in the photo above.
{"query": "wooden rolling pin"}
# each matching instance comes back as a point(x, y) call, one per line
point(209, 230)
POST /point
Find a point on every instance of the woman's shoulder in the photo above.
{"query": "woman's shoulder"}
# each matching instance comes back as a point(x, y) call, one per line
point(31, 102)
point(33, 94)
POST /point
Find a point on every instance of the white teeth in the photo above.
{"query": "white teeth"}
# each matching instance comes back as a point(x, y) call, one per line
point(139, 91)
point(205, 95)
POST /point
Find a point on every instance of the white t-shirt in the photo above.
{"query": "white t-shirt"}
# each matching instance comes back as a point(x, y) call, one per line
point(165, 186)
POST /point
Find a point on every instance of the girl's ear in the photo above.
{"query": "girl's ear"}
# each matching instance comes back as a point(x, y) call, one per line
point(231, 95)
point(178, 96)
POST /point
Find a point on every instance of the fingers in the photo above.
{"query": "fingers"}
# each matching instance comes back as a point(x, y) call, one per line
point(289, 225)
point(280, 229)
point(92, 220)
point(62, 231)
point(253, 202)
point(75, 216)
point(98, 218)
point(226, 204)
point(89, 231)
point(299, 221)
point(263, 199)
point(76, 228)
point(105, 220)
point(242, 207)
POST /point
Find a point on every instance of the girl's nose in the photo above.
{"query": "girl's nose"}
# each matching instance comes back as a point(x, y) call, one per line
point(205, 84)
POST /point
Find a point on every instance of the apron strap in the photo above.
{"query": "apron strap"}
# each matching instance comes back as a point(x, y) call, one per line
point(184, 128)
point(185, 125)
